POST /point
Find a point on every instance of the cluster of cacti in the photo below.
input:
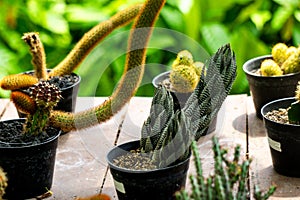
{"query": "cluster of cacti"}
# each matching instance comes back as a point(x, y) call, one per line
point(185, 73)
point(229, 180)
point(294, 109)
point(285, 60)
point(3, 183)
point(167, 134)
point(134, 66)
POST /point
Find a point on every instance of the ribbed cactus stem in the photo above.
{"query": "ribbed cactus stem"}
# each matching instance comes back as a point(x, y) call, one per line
point(17, 81)
point(92, 38)
point(38, 54)
point(132, 75)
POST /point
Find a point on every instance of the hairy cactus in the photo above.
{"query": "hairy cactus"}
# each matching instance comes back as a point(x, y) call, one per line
point(133, 71)
point(167, 134)
point(270, 68)
point(294, 109)
point(285, 60)
point(185, 73)
point(3, 183)
point(229, 180)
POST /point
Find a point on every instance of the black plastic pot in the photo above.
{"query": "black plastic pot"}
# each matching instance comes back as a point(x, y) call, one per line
point(160, 184)
point(180, 99)
point(284, 140)
point(29, 168)
point(265, 89)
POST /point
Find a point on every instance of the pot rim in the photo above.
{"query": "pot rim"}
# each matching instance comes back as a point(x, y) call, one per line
point(248, 62)
point(28, 145)
point(112, 165)
point(262, 111)
point(155, 79)
point(65, 88)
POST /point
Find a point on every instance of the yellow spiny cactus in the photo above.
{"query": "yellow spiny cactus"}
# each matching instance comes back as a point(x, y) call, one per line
point(38, 54)
point(185, 73)
point(3, 183)
point(297, 96)
point(292, 64)
point(17, 81)
point(132, 75)
point(279, 53)
point(270, 68)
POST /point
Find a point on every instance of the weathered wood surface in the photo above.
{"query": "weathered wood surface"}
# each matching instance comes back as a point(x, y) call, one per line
point(81, 155)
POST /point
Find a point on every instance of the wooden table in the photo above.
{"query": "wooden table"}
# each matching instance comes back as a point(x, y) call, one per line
point(81, 156)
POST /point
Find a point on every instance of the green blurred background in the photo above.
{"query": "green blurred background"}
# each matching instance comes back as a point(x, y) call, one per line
point(252, 27)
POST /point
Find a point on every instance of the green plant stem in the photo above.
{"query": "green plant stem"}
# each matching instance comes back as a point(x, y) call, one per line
point(132, 75)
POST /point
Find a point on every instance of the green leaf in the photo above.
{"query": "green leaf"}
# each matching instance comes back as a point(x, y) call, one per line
point(280, 17)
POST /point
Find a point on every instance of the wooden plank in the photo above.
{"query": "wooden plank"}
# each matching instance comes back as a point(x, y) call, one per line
point(7, 110)
point(262, 172)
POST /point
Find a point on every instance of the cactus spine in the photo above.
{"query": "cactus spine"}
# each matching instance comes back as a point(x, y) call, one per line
point(3, 183)
point(229, 180)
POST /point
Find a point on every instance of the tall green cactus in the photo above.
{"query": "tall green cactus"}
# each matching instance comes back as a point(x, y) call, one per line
point(228, 182)
point(167, 134)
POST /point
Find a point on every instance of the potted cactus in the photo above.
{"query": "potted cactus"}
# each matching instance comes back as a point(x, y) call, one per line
point(282, 121)
point(155, 167)
point(63, 75)
point(42, 126)
point(273, 76)
point(228, 181)
point(182, 80)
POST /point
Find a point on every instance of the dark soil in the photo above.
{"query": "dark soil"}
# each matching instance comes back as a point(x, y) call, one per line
point(135, 160)
point(62, 82)
point(11, 135)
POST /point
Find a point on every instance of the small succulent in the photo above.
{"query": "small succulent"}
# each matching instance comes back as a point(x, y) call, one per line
point(228, 182)
point(285, 60)
point(294, 110)
point(185, 73)
point(3, 183)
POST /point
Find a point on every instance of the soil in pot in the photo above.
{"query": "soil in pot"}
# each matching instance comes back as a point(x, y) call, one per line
point(283, 138)
point(142, 182)
point(268, 88)
point(29, 163)
point(69, 85)
point(179, 98)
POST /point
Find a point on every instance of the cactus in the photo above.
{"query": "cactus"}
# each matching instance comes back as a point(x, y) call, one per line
point(229, 180)
point(292, 63)
point(185, 73)
point(3, 183)
point(285, 61)
point(279, 53)
point(167, 134)
point(294, 109)
point(133, 71)
point(270, 68)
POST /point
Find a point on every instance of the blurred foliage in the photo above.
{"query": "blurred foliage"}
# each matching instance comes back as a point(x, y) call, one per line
point(251, 26)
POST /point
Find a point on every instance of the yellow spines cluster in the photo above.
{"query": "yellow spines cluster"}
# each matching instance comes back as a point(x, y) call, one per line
point(3, 183)
point(23, 102)
point(17, 81)
point(279, 53)
point(92, 38)
point(297, 96)
point(284, 57)
point(270, 68)
point(185, 73)
point(292, 63)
